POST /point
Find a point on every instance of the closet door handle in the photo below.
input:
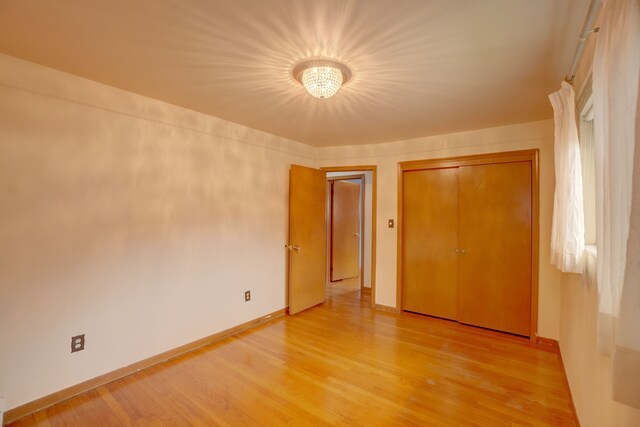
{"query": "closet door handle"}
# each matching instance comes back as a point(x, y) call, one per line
point(457, 250)
point(463, 251)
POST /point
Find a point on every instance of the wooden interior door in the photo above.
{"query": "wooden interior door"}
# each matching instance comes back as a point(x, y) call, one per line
point(345, 229)
point(430, 237)
point(495, 264)
point(307, 238)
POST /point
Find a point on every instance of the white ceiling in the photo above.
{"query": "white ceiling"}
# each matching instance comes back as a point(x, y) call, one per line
point(420, 67)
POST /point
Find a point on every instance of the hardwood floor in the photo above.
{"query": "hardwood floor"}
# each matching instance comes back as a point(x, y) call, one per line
point(333, 289)
point(337, 364)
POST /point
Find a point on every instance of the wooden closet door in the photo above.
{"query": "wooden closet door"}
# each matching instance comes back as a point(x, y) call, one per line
point(494, 286)
point(430, 235)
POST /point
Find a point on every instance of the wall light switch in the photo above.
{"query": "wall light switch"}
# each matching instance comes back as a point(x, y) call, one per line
point(391, 223)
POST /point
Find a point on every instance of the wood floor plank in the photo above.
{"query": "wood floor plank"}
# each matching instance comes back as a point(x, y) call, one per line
point(340, 363)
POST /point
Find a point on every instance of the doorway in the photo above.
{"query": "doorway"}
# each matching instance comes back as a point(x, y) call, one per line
point(308, 239)
point(351, 231)
point(345, 218)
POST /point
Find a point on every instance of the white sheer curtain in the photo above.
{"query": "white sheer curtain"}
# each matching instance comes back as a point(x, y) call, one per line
point(616, 71)
point(567, 227)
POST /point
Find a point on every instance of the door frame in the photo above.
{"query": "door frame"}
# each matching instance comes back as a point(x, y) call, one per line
point(374, 191)
point(470, 160)
point(330, 179)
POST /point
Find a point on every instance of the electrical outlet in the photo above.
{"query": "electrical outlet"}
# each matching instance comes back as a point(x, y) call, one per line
point(247, 295)
point(77, 343)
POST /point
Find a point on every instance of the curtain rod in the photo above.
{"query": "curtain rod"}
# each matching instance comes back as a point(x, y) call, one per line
point(587, 28)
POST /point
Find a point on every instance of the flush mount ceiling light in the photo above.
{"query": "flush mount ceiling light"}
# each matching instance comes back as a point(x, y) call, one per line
point(321, 78)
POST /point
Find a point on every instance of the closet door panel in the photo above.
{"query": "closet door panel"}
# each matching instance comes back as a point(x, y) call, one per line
point(430, 234)
point(495, 232)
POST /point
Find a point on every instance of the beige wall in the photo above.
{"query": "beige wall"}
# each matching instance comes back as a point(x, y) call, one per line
point(135, 222)
point(588, 372)
point(386, 157)
point(368, 224)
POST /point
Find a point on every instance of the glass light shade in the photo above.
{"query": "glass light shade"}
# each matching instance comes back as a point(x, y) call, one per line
point(322, 82)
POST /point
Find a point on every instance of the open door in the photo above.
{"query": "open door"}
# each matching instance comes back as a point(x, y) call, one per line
point(345, 230)
point(307, 238)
